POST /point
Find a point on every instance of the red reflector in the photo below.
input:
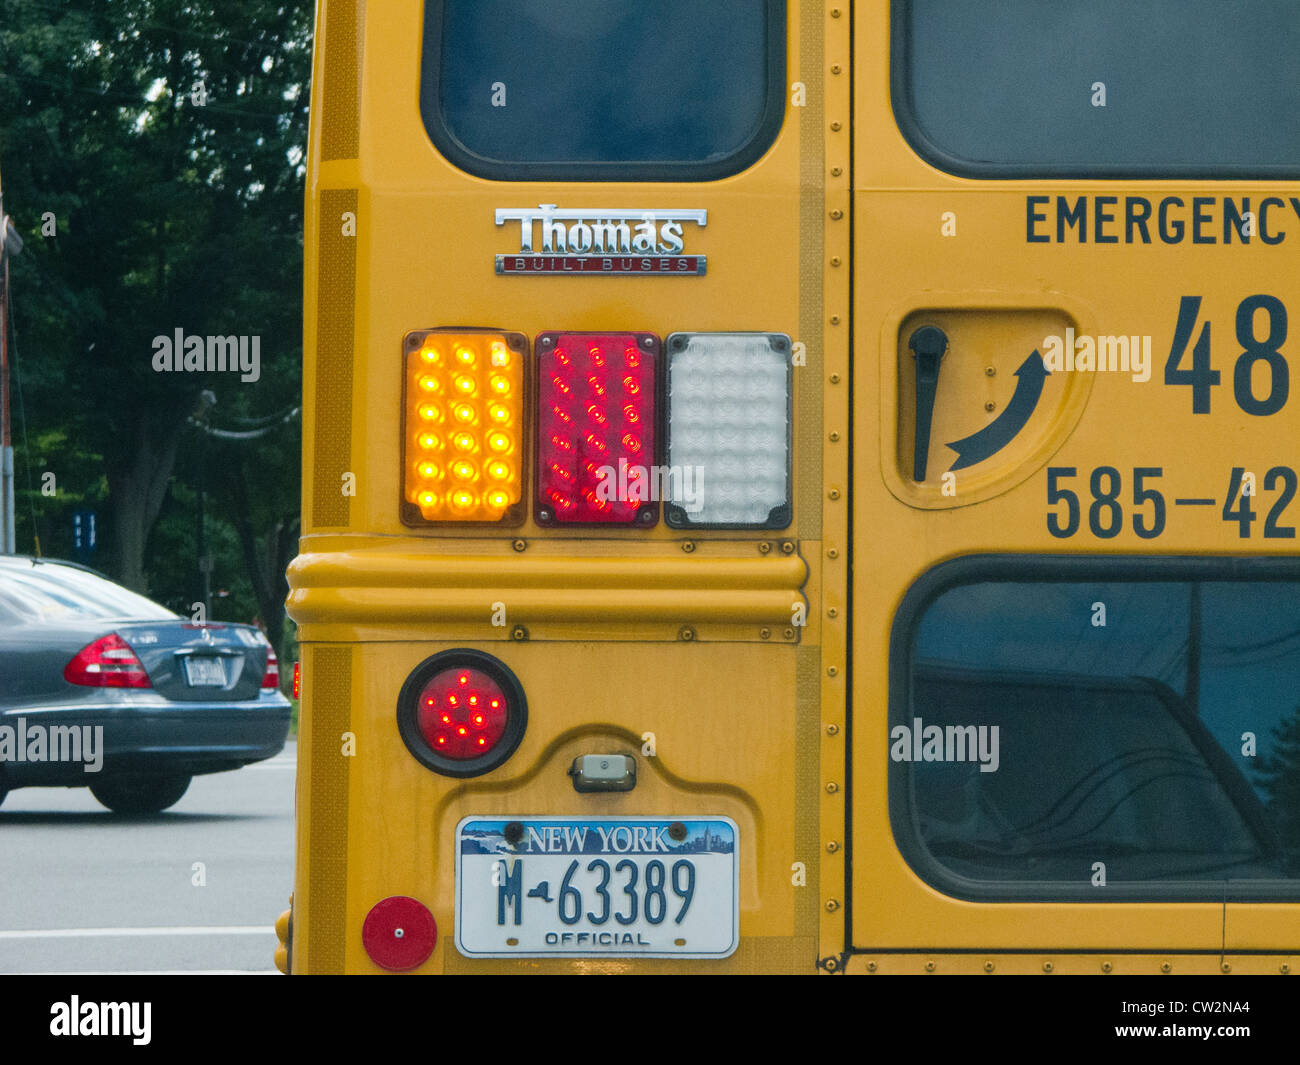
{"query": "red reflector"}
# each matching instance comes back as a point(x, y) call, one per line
point(463, 713)
point(399, 933)
point(297, 680)
point(109, 662)
point(271, 678)
point(596, 428)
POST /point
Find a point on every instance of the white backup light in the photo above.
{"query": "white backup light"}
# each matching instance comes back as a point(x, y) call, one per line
point(728, 427)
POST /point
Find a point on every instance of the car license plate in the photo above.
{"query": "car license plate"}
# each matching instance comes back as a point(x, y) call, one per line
point(621, 887)
point(205, 672)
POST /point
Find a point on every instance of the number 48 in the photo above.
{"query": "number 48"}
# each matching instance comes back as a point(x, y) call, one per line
point(1201, 378)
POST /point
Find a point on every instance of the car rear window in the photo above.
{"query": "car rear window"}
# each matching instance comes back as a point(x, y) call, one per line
point(50, 592)
point(595, 89)
point(1049, 738)
point(1105, 88)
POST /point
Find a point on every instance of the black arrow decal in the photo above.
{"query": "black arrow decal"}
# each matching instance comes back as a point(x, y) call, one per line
point(1003, 429)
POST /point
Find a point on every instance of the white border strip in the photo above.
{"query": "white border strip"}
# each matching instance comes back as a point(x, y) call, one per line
point(101, 933)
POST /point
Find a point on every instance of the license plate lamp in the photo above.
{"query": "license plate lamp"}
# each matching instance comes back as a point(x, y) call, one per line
point(603, 772)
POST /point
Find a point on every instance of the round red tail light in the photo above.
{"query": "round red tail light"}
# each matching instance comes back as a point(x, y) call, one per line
point(462, 712)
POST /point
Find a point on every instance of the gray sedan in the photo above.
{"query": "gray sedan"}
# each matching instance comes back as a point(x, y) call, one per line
point(103, 688)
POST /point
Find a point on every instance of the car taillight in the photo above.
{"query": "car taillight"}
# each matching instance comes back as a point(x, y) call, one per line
point(271, 678)
point(728, 429)
point(462, 453)
point(297, 680)
point(109, 662)
point(596, 428)
point(462, 712)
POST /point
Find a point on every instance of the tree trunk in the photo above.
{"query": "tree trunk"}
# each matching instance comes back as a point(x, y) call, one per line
point(266, 564)
point(137, 486)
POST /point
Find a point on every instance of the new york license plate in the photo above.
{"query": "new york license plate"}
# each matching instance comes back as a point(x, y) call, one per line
point(593, 887)
point(207, 672)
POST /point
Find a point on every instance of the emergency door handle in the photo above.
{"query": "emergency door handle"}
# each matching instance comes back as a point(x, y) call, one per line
point(928, 344)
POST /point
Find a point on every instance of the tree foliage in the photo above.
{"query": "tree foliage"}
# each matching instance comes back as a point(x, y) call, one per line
point(151, 153)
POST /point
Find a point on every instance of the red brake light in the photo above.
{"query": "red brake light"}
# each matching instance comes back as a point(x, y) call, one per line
point(109, 662)
point(271, 679)
point(297, 680)
point(463, 713)
point(596, 428)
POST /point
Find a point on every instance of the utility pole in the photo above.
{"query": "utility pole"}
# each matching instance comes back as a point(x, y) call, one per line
point(10, 244)
point(207, 400)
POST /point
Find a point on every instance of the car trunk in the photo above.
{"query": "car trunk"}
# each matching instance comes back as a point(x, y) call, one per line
point(192, 662)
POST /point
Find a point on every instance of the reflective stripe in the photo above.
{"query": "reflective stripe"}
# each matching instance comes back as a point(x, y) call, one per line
point(327, 709)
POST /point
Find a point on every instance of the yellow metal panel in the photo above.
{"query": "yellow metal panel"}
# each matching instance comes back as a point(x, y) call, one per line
point(491, 594)
point(427, 241)
point(833, 552)
point(713, 641)
point(723, 736)
point(1096, 964)
point(904, 264)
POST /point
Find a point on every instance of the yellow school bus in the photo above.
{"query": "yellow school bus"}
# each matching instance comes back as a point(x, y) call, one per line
point(799, 487)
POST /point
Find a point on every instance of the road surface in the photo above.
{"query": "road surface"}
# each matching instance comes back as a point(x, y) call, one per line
point(194, 889)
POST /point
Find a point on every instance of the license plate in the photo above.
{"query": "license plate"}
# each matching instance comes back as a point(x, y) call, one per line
point(205, 672)
point(649, 887)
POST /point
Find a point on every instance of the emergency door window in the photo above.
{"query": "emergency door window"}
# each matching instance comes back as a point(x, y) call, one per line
point(1100, 87)
point(1051, 737)
point(675, 89)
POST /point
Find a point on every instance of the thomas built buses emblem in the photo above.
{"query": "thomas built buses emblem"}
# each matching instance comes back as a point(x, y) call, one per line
point(595, 241)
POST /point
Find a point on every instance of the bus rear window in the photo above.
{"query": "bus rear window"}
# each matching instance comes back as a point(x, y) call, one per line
point(603, 89)
point(1051, 738)
point(1101, 88)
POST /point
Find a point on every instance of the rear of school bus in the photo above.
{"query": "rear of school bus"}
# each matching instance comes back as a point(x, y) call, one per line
point(1076, 596)
point(577, 291)
point(999, 676)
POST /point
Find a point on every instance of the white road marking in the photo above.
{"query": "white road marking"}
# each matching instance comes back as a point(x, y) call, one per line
point(90, 933)
point(164, 972)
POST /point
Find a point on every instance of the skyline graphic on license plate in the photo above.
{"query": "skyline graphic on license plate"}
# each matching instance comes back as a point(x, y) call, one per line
point(597, 887)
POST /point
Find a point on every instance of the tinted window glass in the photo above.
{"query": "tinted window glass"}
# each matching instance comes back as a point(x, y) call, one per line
point(515, 88)
point(49, 592)
point(1151, 727)
point(1191, 87)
